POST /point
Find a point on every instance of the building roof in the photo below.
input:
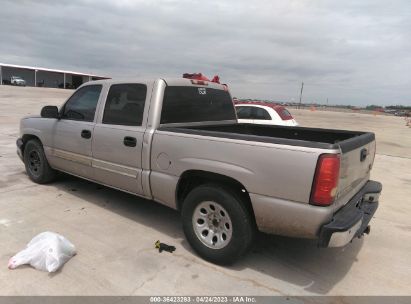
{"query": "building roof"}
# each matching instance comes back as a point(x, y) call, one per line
point(48, 70)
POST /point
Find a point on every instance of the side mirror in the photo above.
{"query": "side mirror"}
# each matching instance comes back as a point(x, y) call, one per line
point(50, 112)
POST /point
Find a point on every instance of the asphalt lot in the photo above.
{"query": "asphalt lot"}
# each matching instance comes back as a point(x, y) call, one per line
point(115, 232)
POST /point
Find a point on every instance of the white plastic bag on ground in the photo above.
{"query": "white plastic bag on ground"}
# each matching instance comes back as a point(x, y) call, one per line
point(47, 251)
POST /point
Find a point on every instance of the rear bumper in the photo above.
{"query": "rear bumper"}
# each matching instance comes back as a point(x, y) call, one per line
point(352, 220)
point(19, 144)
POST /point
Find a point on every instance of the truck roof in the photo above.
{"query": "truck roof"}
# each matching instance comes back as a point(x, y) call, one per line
point(169, 81)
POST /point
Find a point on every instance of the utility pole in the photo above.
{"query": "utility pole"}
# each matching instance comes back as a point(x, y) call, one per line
point(327, 102)
point(301, 94)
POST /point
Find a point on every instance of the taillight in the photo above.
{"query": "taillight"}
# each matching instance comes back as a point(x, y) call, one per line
point(325, 180)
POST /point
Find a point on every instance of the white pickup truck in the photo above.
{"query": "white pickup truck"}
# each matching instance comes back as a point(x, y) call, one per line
point(17, 80)
point(178, 142)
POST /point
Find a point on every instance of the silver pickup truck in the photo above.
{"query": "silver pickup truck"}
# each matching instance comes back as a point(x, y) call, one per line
point(178, 142)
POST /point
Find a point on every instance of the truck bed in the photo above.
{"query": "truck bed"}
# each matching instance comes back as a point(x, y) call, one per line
point(294, 136)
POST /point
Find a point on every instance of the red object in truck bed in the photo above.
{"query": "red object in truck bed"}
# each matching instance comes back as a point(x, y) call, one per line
point(199, 76)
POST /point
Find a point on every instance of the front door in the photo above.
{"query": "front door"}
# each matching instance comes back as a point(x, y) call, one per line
point(118, 138)
point(71, 136)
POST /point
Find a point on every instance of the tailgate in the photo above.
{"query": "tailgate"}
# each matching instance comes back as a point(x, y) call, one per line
point(357, 159)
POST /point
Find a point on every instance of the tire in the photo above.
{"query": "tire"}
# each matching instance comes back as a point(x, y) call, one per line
point(234, 221)
point(37, 166)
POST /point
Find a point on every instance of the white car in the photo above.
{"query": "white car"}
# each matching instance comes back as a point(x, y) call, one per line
point(17, 80)
point(264, 114)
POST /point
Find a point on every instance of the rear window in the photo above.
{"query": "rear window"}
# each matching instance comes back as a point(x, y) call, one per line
point(284, 114)
point(196, 104)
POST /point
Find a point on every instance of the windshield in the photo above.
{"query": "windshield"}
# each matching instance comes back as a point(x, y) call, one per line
point(196, 104)
point(17, 77)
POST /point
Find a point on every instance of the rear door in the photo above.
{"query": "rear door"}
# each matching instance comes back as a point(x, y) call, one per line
point(118, 137)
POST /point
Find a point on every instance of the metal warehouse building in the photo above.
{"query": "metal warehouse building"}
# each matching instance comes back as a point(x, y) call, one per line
point(41, 77)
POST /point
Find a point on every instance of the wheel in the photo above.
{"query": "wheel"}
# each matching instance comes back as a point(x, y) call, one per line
point(217, 224)
point(37, 166)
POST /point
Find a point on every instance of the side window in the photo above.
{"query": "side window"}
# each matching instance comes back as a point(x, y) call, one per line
point(244, 112)
point(261, 114)
point(286, 113)
point(82, 104)
point(125, 104)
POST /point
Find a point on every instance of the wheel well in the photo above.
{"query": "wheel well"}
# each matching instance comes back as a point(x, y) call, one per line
point(26, 138)
point(193, 178)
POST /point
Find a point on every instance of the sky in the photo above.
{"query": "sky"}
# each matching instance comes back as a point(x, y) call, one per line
point(351, 52)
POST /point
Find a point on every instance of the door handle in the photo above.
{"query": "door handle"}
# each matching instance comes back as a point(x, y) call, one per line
point(86, 134)
point(363, 154)
point(130, 141)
